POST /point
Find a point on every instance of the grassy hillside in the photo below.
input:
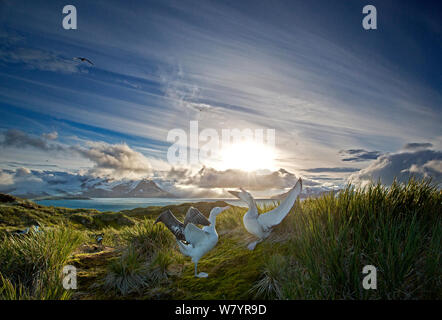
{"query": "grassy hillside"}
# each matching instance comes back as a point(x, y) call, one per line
point(318, 252)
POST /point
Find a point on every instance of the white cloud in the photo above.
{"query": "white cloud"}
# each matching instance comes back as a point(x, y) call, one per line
point(51, 135)
point(19, 139)
point(401, 165)
point(109, 160)
point(6, 178)
point(38, 59)
point(115, 160)
point(22, 172)
point(432, 168)
point(209, 182)
point(23, 181)
point(208, 178)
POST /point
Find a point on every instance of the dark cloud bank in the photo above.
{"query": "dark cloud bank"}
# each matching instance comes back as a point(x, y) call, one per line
point(358, 155)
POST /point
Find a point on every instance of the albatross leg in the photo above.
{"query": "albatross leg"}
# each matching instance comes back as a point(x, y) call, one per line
point(201, 274)
point(253, 244)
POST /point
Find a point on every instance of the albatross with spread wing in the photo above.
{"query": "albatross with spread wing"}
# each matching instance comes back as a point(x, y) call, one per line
point(177, 227)
point(261, 225)
point(84, 60)
point(193, 241)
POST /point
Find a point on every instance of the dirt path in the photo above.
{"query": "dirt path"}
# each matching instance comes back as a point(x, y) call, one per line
point(91, 268)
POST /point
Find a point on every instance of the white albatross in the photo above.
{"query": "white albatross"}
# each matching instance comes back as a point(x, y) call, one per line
point(193, 241)
point(261, 225)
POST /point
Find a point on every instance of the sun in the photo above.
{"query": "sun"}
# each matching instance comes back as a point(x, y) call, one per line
point(248, 156)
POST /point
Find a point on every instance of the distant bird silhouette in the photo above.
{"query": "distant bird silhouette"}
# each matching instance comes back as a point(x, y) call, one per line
point(84, 60)
point(33, 228)
point(201, 107)
point(99, 238)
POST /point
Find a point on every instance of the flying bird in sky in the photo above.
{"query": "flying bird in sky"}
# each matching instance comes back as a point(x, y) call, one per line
point(201, 107)
point(83, 60)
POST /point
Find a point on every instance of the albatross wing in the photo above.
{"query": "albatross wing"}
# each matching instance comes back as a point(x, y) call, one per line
point(275, 216)
point(194, 216)
point(194, 235)
point(172, 223)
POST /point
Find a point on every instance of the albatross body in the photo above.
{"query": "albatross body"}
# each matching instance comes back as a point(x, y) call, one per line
point(261, 225)
point(82, 59)
point(193, 241)
point(177, 227)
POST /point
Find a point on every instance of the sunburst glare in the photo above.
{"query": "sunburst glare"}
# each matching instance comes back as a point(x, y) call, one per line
point(248, 156)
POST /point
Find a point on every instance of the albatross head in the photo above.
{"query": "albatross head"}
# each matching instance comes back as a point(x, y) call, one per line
point(242, 195)
point(217, 210)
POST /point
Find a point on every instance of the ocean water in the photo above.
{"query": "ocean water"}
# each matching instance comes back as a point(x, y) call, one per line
point(118, 204)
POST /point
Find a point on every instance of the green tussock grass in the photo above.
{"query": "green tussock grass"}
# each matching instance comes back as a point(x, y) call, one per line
point(31, 265)
point(146, 255)
point(396, 229)
point(317, 252)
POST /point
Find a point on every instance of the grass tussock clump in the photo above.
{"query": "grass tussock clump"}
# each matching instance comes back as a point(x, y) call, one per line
point(270, 284)
point(144, 262)
point(148, 237)
point(31, 265)
point(231, 221)
point(397, 229)
point(127, 274)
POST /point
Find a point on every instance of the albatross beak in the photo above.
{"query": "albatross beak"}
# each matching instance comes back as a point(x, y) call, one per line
point(225, 208)
point(234, 193)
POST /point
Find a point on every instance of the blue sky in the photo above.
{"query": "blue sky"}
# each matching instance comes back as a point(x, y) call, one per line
point(304, 68)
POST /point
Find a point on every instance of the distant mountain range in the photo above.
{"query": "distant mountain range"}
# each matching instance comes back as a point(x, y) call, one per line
point(132, 189)
point(38, 184)
point(68, 187)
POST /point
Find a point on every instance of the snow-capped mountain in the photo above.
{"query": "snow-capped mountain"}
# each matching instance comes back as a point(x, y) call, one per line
point(129, 189)
point(35, 184)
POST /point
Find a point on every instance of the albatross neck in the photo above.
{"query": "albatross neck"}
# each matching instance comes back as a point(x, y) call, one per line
point(212, 219)
point(253, 209)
